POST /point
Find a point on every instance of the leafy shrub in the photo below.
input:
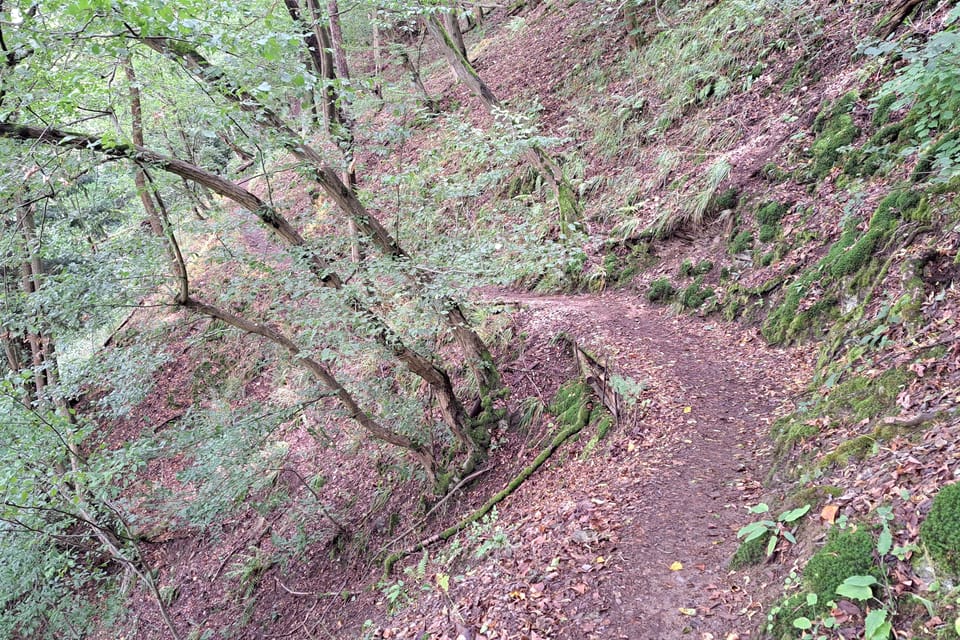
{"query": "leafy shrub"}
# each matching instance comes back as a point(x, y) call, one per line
point(940, 532)
point(930, 85)
point(847, 553)
point(661, 289)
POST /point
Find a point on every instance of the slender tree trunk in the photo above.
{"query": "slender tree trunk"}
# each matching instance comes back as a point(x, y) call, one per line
point(336, 39)
point(377, 56)
point(160, 224)
point(416, 363)
point(451, 22)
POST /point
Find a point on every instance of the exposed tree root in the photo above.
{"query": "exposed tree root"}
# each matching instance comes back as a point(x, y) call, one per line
point(582, 419)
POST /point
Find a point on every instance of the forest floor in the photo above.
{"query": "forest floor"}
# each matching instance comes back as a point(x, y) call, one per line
point(633, 540)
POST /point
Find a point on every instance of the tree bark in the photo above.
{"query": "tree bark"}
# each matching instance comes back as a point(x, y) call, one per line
point(419, 365)
point(336, 39)
point(451, 22)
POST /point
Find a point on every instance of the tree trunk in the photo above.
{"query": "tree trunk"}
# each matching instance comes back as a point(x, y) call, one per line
point(326, 378)
point(419, 365)
point(330, 181)
point(377, 56)
point(336, 39)
point(631, 21)
point(451, 22)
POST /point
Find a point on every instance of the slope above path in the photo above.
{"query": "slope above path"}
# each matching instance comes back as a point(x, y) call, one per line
point(669, 484)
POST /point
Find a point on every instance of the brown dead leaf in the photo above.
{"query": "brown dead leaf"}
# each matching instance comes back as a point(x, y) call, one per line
point(829, 513)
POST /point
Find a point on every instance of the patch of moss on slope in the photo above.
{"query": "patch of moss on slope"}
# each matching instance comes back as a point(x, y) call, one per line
point(850, 254)
point(836, 130)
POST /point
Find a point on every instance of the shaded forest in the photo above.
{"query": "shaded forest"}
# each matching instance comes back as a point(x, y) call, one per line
point(441, 319)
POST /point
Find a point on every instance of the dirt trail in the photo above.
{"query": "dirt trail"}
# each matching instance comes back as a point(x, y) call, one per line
point(691, 463)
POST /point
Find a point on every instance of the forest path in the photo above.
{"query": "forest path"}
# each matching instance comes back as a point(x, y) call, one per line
point(685, 471)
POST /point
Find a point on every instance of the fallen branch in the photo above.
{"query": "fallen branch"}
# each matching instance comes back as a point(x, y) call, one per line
point(425, 518)
point(582, 419)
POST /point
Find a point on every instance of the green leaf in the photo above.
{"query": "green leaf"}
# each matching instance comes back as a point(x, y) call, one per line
point(794, 514)
point(812, 599)
point(876, 625)
point(754, 530)
point(803, 623)
point(760, 508)
point(857, 587)
point(956, 625)
point(885, 541)
point(771, 545)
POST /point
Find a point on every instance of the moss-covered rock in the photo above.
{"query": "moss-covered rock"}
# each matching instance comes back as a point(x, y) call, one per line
point(696, 294)
point(835, 130)
point(661, 290)
point(940, 532)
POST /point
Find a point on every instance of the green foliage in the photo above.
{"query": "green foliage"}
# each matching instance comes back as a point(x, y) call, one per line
point(838, 133)
point(847, 553)
point(750, 552)
point(661, 290)
point(849, 256)
point(769, 216)
point(688, 268)
point(929, 84)
point(940, 531)
point(771, 531)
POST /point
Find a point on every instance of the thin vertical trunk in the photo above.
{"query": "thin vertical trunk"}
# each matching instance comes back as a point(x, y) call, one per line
point(336, 39)
point(377, 56)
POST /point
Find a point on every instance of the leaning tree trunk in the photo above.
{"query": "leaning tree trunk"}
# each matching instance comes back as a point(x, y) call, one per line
point(451, 22)
point(567, 202)
point(160, 224)
point(418, 364)
point(475, 351)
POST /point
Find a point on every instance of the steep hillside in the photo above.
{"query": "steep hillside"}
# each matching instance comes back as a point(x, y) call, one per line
point(712, 246)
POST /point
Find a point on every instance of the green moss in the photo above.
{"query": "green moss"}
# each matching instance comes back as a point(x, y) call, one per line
point(661, 290)
point(780, 622)
point(570, 400)
point(750, 553)
point(847, 553)
point(791, 433)
point(850, 256)
point(741, 242)
point(772, 212)
point(826, 149)
point(726, 200)
point(882, 114)
point(768, 233)
point(696, 294)
point(863, 398)
point(688, 268)
point(940, 532)
point(854, 449)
